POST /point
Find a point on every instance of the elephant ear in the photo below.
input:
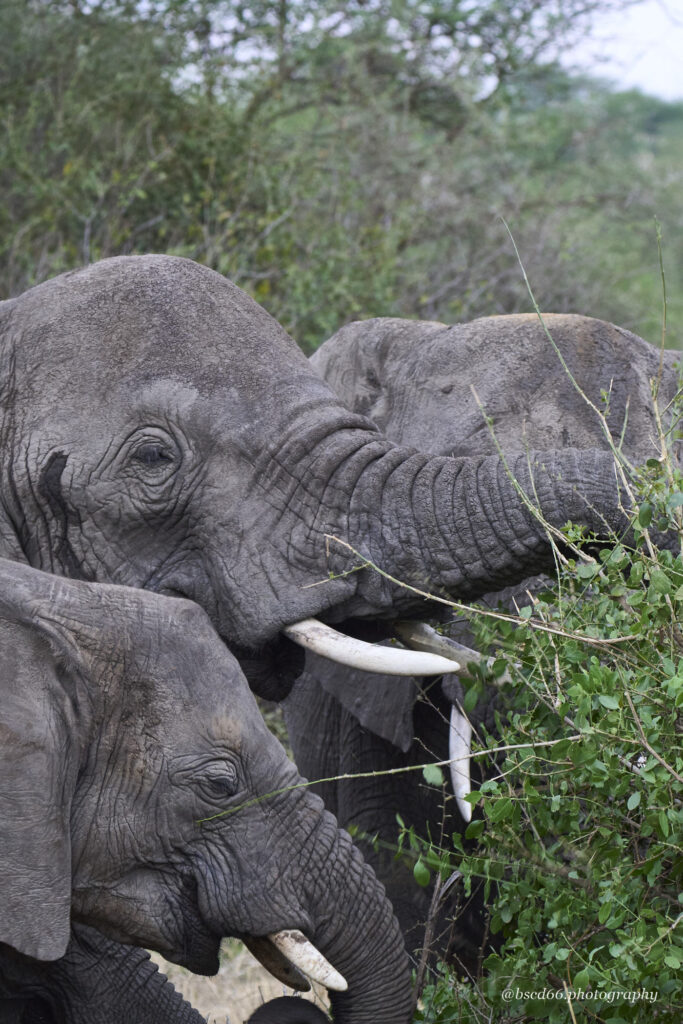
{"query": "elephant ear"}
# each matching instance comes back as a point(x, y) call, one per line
point(382, 704)
point(38, 766)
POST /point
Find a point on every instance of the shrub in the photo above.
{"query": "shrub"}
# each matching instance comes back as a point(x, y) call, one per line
point(580, 832)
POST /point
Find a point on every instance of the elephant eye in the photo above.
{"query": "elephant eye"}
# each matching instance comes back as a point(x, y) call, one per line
point(153, 454)
point(220, 780)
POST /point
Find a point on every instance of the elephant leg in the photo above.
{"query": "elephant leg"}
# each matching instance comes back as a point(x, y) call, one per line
point(370, 805)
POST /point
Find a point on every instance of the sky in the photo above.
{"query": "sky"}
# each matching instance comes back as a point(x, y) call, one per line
point(641, 47)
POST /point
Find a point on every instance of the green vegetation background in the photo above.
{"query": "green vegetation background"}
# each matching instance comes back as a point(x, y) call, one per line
point(339, 159)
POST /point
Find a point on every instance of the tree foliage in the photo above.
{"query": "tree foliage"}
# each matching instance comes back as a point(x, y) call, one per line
point(337, 160)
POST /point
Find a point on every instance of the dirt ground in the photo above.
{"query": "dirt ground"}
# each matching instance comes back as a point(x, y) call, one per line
point(239, 987)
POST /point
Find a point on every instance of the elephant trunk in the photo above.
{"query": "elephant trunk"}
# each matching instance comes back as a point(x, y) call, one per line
point(458, 526)
point(364, 943)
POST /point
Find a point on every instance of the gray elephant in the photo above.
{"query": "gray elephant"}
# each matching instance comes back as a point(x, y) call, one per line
point(425, 384)
point(158, 429)
point(142, 795)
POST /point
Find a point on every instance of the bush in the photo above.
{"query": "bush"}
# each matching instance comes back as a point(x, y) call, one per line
point(580, 839)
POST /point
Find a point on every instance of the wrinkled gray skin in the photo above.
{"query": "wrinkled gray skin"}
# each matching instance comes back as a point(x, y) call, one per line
point(415, 380)
point(96, 980)
point(142, 795)
point(158, 429)
point(161, 430)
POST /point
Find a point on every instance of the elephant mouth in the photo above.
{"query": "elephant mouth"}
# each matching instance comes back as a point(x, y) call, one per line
point(199, 952)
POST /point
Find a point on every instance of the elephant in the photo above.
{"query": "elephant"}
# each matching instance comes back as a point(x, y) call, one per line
point(143, 797)
point(159, 430)
point(428, 385)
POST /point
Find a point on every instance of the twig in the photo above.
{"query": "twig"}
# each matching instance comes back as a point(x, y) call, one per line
point(428, 940)
point(647, 746)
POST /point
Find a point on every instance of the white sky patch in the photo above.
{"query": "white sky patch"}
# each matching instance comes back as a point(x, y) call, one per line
point(641, 47)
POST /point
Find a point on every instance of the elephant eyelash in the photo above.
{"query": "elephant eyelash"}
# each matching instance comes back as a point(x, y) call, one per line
point(223, 783)
point(153, 454)
point(215, 780)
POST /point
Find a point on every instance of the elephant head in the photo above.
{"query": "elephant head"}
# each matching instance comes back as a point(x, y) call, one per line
point(430, 386)
point(142, 795)
point(160, 430)
point(425, 385)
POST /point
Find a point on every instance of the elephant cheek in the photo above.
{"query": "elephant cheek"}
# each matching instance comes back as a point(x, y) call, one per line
point(141, 909)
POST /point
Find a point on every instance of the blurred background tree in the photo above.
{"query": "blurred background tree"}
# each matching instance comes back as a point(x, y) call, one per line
point(339, 159)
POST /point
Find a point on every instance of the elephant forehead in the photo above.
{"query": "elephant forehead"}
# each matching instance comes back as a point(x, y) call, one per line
point(142, 313)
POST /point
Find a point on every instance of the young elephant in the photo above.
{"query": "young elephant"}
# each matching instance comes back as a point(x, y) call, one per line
point(141, 795)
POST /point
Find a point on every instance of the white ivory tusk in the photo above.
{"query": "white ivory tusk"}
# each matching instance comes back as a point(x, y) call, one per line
point(276, 964)
point(425, 638)
point(459, 742)
point(346, 650)
point(422, 637)
point(305, 957)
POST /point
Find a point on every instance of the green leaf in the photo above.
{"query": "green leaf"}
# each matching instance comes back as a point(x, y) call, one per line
point(645, 514)
point(475, 829)
point(421, 873)
point(633, 801)
point(608, 702)
point(470, 699)
point(432, 774)
point(660, 582)
point(604, 912)
point(502, 808)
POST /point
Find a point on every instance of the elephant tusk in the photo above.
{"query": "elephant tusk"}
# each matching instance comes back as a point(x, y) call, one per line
point(270, 957)
point(305, 957)
point(328, 642)
point(422, 637)
point(459, 740)
point(425, 638)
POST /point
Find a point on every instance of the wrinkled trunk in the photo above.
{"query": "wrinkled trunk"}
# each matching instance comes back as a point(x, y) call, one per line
point(312, 878)
point(363, 942)
point(452, 526)
point(99, 981)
